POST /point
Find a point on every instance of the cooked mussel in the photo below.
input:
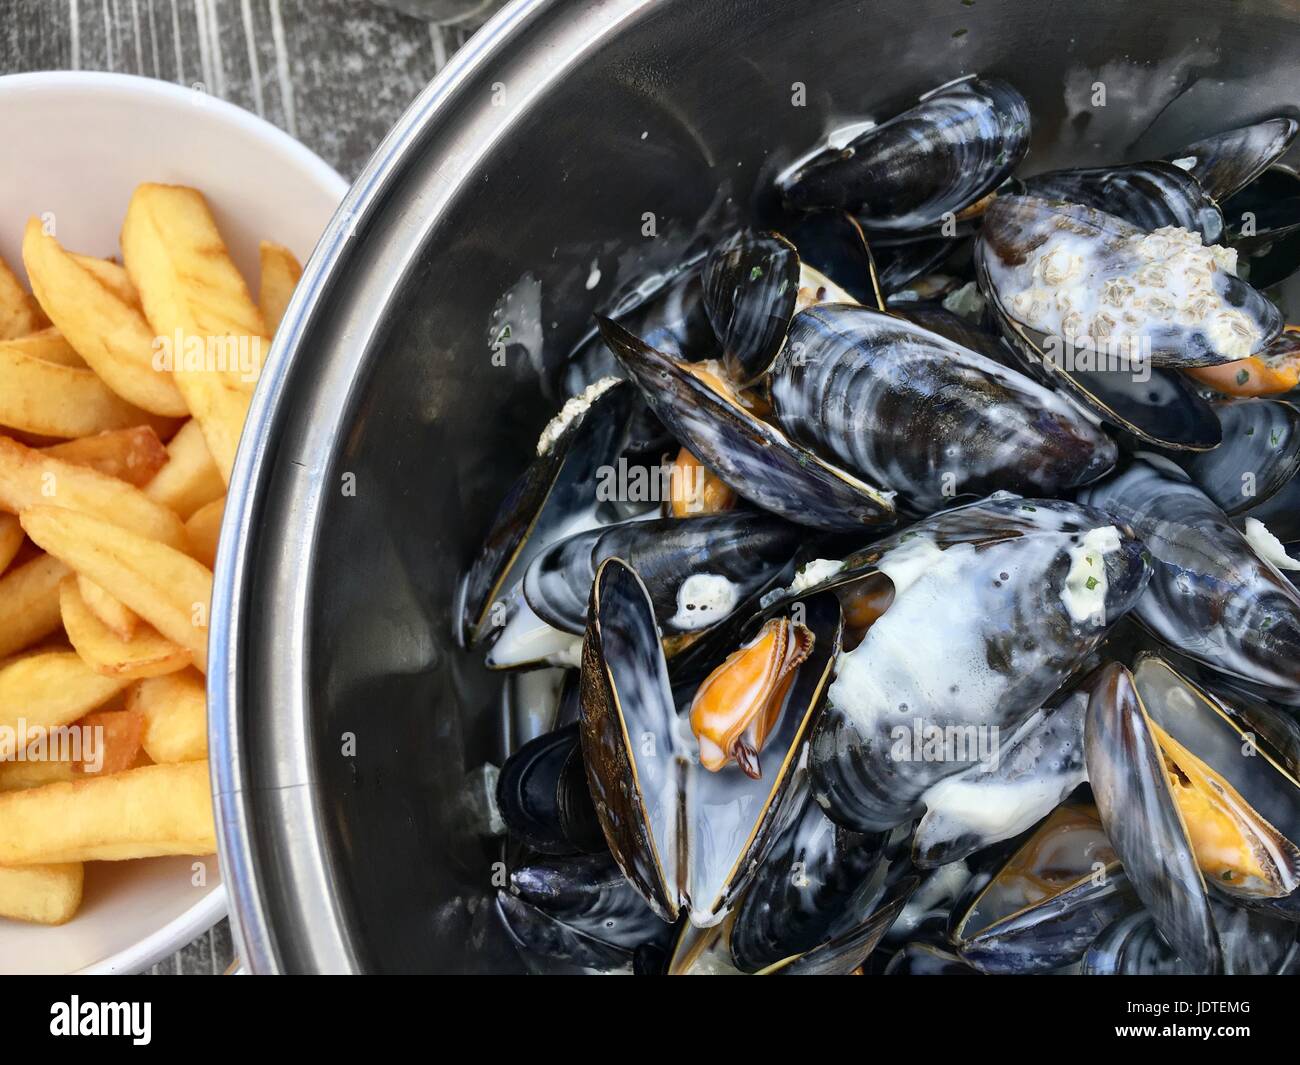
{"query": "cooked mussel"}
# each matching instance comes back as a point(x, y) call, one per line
point(1229, 161)
point(901, 406)
point(992, 607)
point(751, 282)
point(935, 161)
point(1078, 274)
point(1044, 907)
point(1211, 596)
point(751, 455)
point(543, 798)
point(687, 837)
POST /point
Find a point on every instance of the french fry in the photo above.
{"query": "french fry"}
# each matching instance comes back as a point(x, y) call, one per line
point(108, 332)
point(50, 345)
point(15, 776)
point(115, 745)
point(112, 275)
point(41, 894)
point(190, 479)
point(11, 539)
point(115, 615)
point(131, 455)
point(19, 313)
point(29, 478)
point(164, 586)
point(140, 813)
point(45, 397)
point(175, 712)
point(191, 292)
point(42, 691)
point(29, 603)
point(281, 272)
point(203, 529)
point(146, 654)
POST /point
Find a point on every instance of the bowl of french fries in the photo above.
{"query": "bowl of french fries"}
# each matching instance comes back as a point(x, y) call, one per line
point(150, 241)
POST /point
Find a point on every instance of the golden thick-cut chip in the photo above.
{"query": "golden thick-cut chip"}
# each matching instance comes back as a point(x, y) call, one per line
point(281, 273)
point(131, 455)
point(11, 539)
point(220, 411)
point(109, 333)
point(203, 529)
point(29, 603)
point(146, 654)
point(50, 399)
point(175, 711)
point(190, 479)
point(44, 690)
point(112, 275)
point(49, 345)
point(19, 313)
point(119, 618)
point(189, 287)
point(140, 813)
point(116, 746)
point(15, 776)
point(164, 586)
point(41, 894)
point(33, 478)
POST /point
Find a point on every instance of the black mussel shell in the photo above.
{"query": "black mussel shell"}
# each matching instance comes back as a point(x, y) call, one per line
point(1127, 774)
point(687, 566)
point(543, 798)
point(927, 959)
point(1211, 597)
point(753, 457)
point(558, 946)
point(751, 282)
point(902, 406)
point(1149, 195)
point(832, 243)
point(940, 158)
point(1259, 457)
point(1229, 161)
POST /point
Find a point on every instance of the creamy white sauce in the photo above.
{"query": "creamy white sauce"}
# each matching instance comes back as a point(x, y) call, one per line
point(1084, 594)
point(526, 639)
point(573, 408)
point(941, 886)
point(908, 561)
point(1268, 547)
point(702, 600)
point(814, 573)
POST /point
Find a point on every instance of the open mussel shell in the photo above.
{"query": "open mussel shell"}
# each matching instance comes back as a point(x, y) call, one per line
point(590, 894)
point(698, 571)
point(927, 959)
point(831, 244)
point(543, 798)
point(1259, 457)
point(751, 281)
point(937, 422)
point(1046, 905)
point(1073, 272)
point(754, 458)
point(1211, 597)
point(687, 838)
point(1229, 161)
point(552, 496)
point(1126, 771)
point(1036, 768)
point(1247, 847)
point(1148, 195)
point(936, 160)
point(803, 893)
point(995, 606)
point(901, 264)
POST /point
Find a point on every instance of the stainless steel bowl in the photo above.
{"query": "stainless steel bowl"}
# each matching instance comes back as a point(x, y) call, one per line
point(344, 720)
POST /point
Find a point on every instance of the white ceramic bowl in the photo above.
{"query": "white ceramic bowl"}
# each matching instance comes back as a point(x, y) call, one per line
point(77, 144)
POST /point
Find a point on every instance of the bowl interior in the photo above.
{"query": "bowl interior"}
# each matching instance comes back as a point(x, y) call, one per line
point(534, 212)
point(76, 145)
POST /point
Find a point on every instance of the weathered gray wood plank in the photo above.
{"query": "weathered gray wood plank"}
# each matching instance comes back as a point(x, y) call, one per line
point(334, 73)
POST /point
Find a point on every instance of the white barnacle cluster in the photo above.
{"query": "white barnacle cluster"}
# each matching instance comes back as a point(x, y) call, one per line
point(1080, 287)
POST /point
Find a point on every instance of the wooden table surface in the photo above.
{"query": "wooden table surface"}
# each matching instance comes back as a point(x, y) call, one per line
point(334, 73)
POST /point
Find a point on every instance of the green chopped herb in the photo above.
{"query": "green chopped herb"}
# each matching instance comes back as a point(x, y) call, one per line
point(755, 273)
point(1243, 376)
point(1092, 583)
